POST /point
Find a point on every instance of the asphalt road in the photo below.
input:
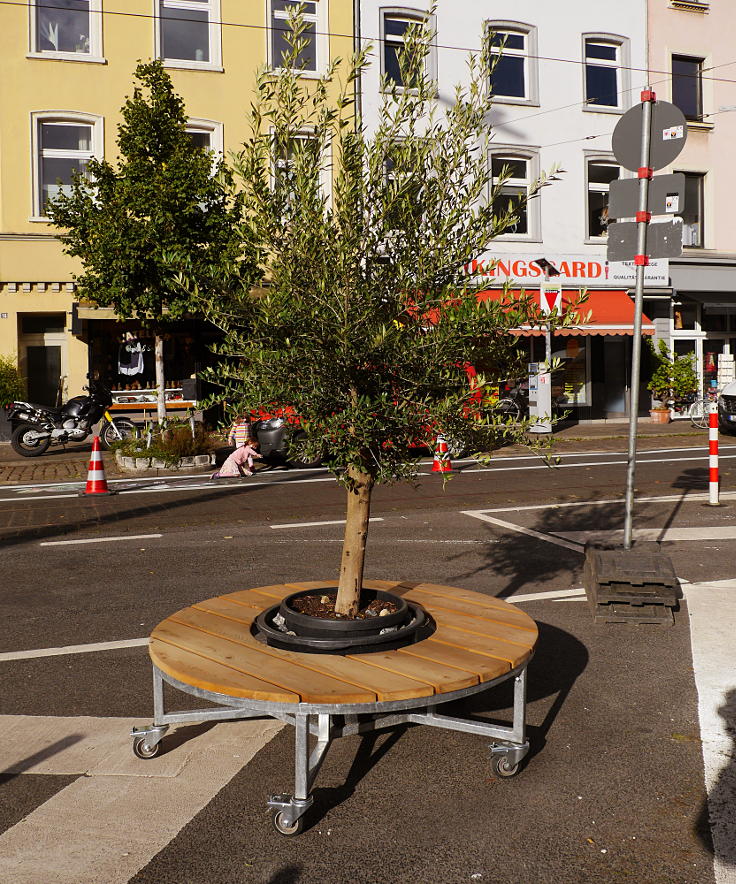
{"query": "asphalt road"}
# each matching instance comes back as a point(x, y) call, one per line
point(613, 787)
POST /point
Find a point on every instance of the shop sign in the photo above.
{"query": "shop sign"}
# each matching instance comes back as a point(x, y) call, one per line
point(574, 270)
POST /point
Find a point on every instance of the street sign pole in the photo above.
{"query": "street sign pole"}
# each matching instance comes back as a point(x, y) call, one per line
point(640, 260)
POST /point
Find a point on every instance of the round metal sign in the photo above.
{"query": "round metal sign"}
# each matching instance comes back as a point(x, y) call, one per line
point(669, 132)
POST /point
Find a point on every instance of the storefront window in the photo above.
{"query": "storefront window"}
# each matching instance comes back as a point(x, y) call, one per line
point(569, 384)
point(685, 316)
point(714, 319)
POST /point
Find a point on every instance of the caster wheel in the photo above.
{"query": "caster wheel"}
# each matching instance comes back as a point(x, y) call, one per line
point(502, 768)
point(281, 827)
point(142, 749)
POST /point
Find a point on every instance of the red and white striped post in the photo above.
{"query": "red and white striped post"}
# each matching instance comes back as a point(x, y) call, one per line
point(713, 481)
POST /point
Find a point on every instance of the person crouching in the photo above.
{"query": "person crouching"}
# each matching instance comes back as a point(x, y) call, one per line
point(240, 462)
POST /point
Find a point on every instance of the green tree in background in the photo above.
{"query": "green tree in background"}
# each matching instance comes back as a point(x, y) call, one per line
point(165, 201)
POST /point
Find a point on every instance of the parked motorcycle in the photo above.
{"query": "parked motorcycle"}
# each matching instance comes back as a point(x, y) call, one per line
point(36, 427)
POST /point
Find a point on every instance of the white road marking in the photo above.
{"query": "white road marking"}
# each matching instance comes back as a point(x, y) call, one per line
point(92, 648)
point(99, 539)
point(712, 616)
point(666, 498)
point(316, 524)
point(548, 538)
point(553, 595)
point(721, 532)
point(120, 812)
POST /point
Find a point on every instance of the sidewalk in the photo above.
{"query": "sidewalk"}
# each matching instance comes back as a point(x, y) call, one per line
point(71, 463)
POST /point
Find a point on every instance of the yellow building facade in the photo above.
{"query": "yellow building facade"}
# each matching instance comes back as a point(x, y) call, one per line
point(66, 71)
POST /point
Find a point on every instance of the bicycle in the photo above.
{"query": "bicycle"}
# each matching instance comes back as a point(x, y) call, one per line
point(699, 411)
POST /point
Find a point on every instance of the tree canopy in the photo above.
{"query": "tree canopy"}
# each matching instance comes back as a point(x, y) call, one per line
point(165, 196)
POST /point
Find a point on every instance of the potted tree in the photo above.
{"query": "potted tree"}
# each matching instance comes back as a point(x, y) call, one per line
point(12, 387)
point(673, 379)
point(361, 318)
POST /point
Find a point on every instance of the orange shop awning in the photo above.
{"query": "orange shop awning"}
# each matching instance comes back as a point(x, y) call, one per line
point(609, 312)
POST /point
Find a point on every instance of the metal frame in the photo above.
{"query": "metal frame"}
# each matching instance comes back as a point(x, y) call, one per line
point(316, 720)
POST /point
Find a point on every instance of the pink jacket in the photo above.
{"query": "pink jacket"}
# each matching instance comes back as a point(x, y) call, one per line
point(240, 457)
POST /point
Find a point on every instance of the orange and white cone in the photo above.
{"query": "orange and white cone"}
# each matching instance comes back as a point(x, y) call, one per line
point(96, 481)
point(441, 463)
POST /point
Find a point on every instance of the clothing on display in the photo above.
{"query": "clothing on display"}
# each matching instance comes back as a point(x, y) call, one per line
point(130, 357)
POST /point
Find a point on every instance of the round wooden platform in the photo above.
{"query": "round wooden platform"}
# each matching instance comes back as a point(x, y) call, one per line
point(209, 646)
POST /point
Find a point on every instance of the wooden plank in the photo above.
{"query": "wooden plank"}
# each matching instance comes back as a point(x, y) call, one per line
point(467, 595)
point(441, 678)
point(234, 621)
point(506, 614)
point(490, 647)
point(200, 672)
point(485, 668)
point(311, 686)
point(521, 637)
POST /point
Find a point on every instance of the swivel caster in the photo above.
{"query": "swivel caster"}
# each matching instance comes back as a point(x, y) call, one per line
point(502, 767)
point(279, 823)
point(142, 749)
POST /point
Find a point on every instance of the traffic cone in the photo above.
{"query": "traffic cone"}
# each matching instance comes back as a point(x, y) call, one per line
point(96, 481)
point(441, 463)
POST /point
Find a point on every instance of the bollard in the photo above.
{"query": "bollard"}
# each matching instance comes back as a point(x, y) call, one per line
point(713, 481)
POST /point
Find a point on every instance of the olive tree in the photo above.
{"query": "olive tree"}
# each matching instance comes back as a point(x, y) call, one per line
point(363, 321)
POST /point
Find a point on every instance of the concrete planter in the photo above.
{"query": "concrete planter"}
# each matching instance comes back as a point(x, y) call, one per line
point(138, 464)
point(132, 464)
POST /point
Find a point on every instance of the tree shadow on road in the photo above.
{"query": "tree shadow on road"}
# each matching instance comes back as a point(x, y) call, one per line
point(104, 512)
point(716, 826)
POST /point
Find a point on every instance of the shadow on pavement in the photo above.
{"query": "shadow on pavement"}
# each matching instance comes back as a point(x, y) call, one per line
point(368, 755)
point(48, 752)
point(716, 826)
point(16, 538)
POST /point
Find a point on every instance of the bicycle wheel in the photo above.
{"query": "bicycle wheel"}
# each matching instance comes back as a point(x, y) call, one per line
point(508, 408)
point(699, 413)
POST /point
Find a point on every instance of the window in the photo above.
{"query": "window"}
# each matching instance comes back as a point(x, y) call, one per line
point(692, 217)
point(687, 86)
point(68, 29)
point(394, 25)
point(600, 176)
point(603, 72)
point(517, 173)
point(514, 76)
point(308, 59)
point(206, 134)
point(62, 146)
point(189, 33)
point(301, 153)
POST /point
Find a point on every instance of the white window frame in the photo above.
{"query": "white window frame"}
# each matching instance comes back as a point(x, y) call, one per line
point(325, 170)
point(621, 64)
point(603, 159)
point(215, 34)
point(530, 155)
point(322, 42)
point(59, 116)
point(95, 54)
point(530, 54)
point(412, 16)
point(211, 128)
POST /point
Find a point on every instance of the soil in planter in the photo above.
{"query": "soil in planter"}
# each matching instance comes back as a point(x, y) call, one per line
point(323, 606)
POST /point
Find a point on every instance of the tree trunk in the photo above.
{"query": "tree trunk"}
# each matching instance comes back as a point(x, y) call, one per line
point(160, 381)
point(353, 549)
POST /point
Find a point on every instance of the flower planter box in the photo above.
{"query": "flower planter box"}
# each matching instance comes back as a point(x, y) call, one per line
point(139, 464)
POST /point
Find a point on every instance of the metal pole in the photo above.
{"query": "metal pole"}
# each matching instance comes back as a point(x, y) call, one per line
point(641, 260)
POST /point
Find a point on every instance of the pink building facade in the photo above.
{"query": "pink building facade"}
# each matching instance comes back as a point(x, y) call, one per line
point(691, 63)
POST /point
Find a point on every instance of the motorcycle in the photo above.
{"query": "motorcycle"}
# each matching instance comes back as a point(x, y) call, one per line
point(36, 427)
